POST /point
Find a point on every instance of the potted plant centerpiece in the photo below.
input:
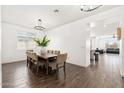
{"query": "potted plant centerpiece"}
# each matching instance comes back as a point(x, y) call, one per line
point(42, 43)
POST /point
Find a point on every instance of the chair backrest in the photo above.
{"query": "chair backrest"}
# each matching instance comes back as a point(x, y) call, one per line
point(53, 52)
point(61, 58)
point(34, 56)
point(29, 50)
point(56, 52)
point(28, 54)
point(50, 51)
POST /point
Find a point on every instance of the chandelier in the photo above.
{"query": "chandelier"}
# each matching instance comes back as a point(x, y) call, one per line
point(39, 25)
point(89, 8)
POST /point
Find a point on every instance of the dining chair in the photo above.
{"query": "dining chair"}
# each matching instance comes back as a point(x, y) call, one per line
point(29, 50)
point(50, 51)
point(28, 53)
point(56, 52)
point(59, 63)
point(36, 61)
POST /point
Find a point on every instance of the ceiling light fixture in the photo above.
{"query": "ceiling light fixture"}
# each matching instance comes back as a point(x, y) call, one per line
point(89, 8)
point(39, 26)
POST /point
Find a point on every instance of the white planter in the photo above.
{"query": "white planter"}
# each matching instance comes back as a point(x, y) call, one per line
point(43, 50)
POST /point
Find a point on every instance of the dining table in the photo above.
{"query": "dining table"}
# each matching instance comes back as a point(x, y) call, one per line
point(46, 57)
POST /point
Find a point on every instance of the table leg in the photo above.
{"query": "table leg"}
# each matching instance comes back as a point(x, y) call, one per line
point(47, 66)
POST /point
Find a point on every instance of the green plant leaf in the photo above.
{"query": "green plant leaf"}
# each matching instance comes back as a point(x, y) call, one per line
point(43, 42)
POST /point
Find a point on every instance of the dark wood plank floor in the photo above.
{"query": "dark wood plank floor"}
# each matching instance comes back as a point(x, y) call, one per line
point(103, 74)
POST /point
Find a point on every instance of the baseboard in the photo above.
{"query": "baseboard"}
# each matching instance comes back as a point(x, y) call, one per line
point(76, 65)
point(14, 61)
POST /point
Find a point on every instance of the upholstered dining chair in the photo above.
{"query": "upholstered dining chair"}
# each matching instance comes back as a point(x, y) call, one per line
point(28, 53)
point(56, 52)
point(29, 50)
point(59, 63)
point(50, 51)
point(35, 61)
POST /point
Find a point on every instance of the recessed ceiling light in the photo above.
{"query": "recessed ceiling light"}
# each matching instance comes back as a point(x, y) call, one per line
point(56, 10)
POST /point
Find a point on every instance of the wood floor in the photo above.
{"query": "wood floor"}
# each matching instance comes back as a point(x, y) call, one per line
point(104, 74)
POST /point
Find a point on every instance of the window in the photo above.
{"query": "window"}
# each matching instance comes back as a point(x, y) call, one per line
point(25, 40)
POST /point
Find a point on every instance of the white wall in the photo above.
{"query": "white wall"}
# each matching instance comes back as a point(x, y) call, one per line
point(100, 43)
point(97, 42)
point(110, 29)
point(10, 53)
point(71, 38)
point(0, 52)
point(87, 52)
point(93, 43)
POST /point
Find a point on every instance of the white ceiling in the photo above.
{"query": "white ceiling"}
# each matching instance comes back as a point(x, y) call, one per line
point(27, 15)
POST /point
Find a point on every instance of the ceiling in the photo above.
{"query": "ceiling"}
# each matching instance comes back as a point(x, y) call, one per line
point(27, 15)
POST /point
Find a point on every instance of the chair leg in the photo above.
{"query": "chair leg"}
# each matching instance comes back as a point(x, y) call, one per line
point(37, 68)
point(30, 64)
point(57, 72)
point(64, 71)
point(27, 62)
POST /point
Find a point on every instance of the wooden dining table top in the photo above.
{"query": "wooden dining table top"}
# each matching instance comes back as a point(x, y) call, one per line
point(46, 55)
